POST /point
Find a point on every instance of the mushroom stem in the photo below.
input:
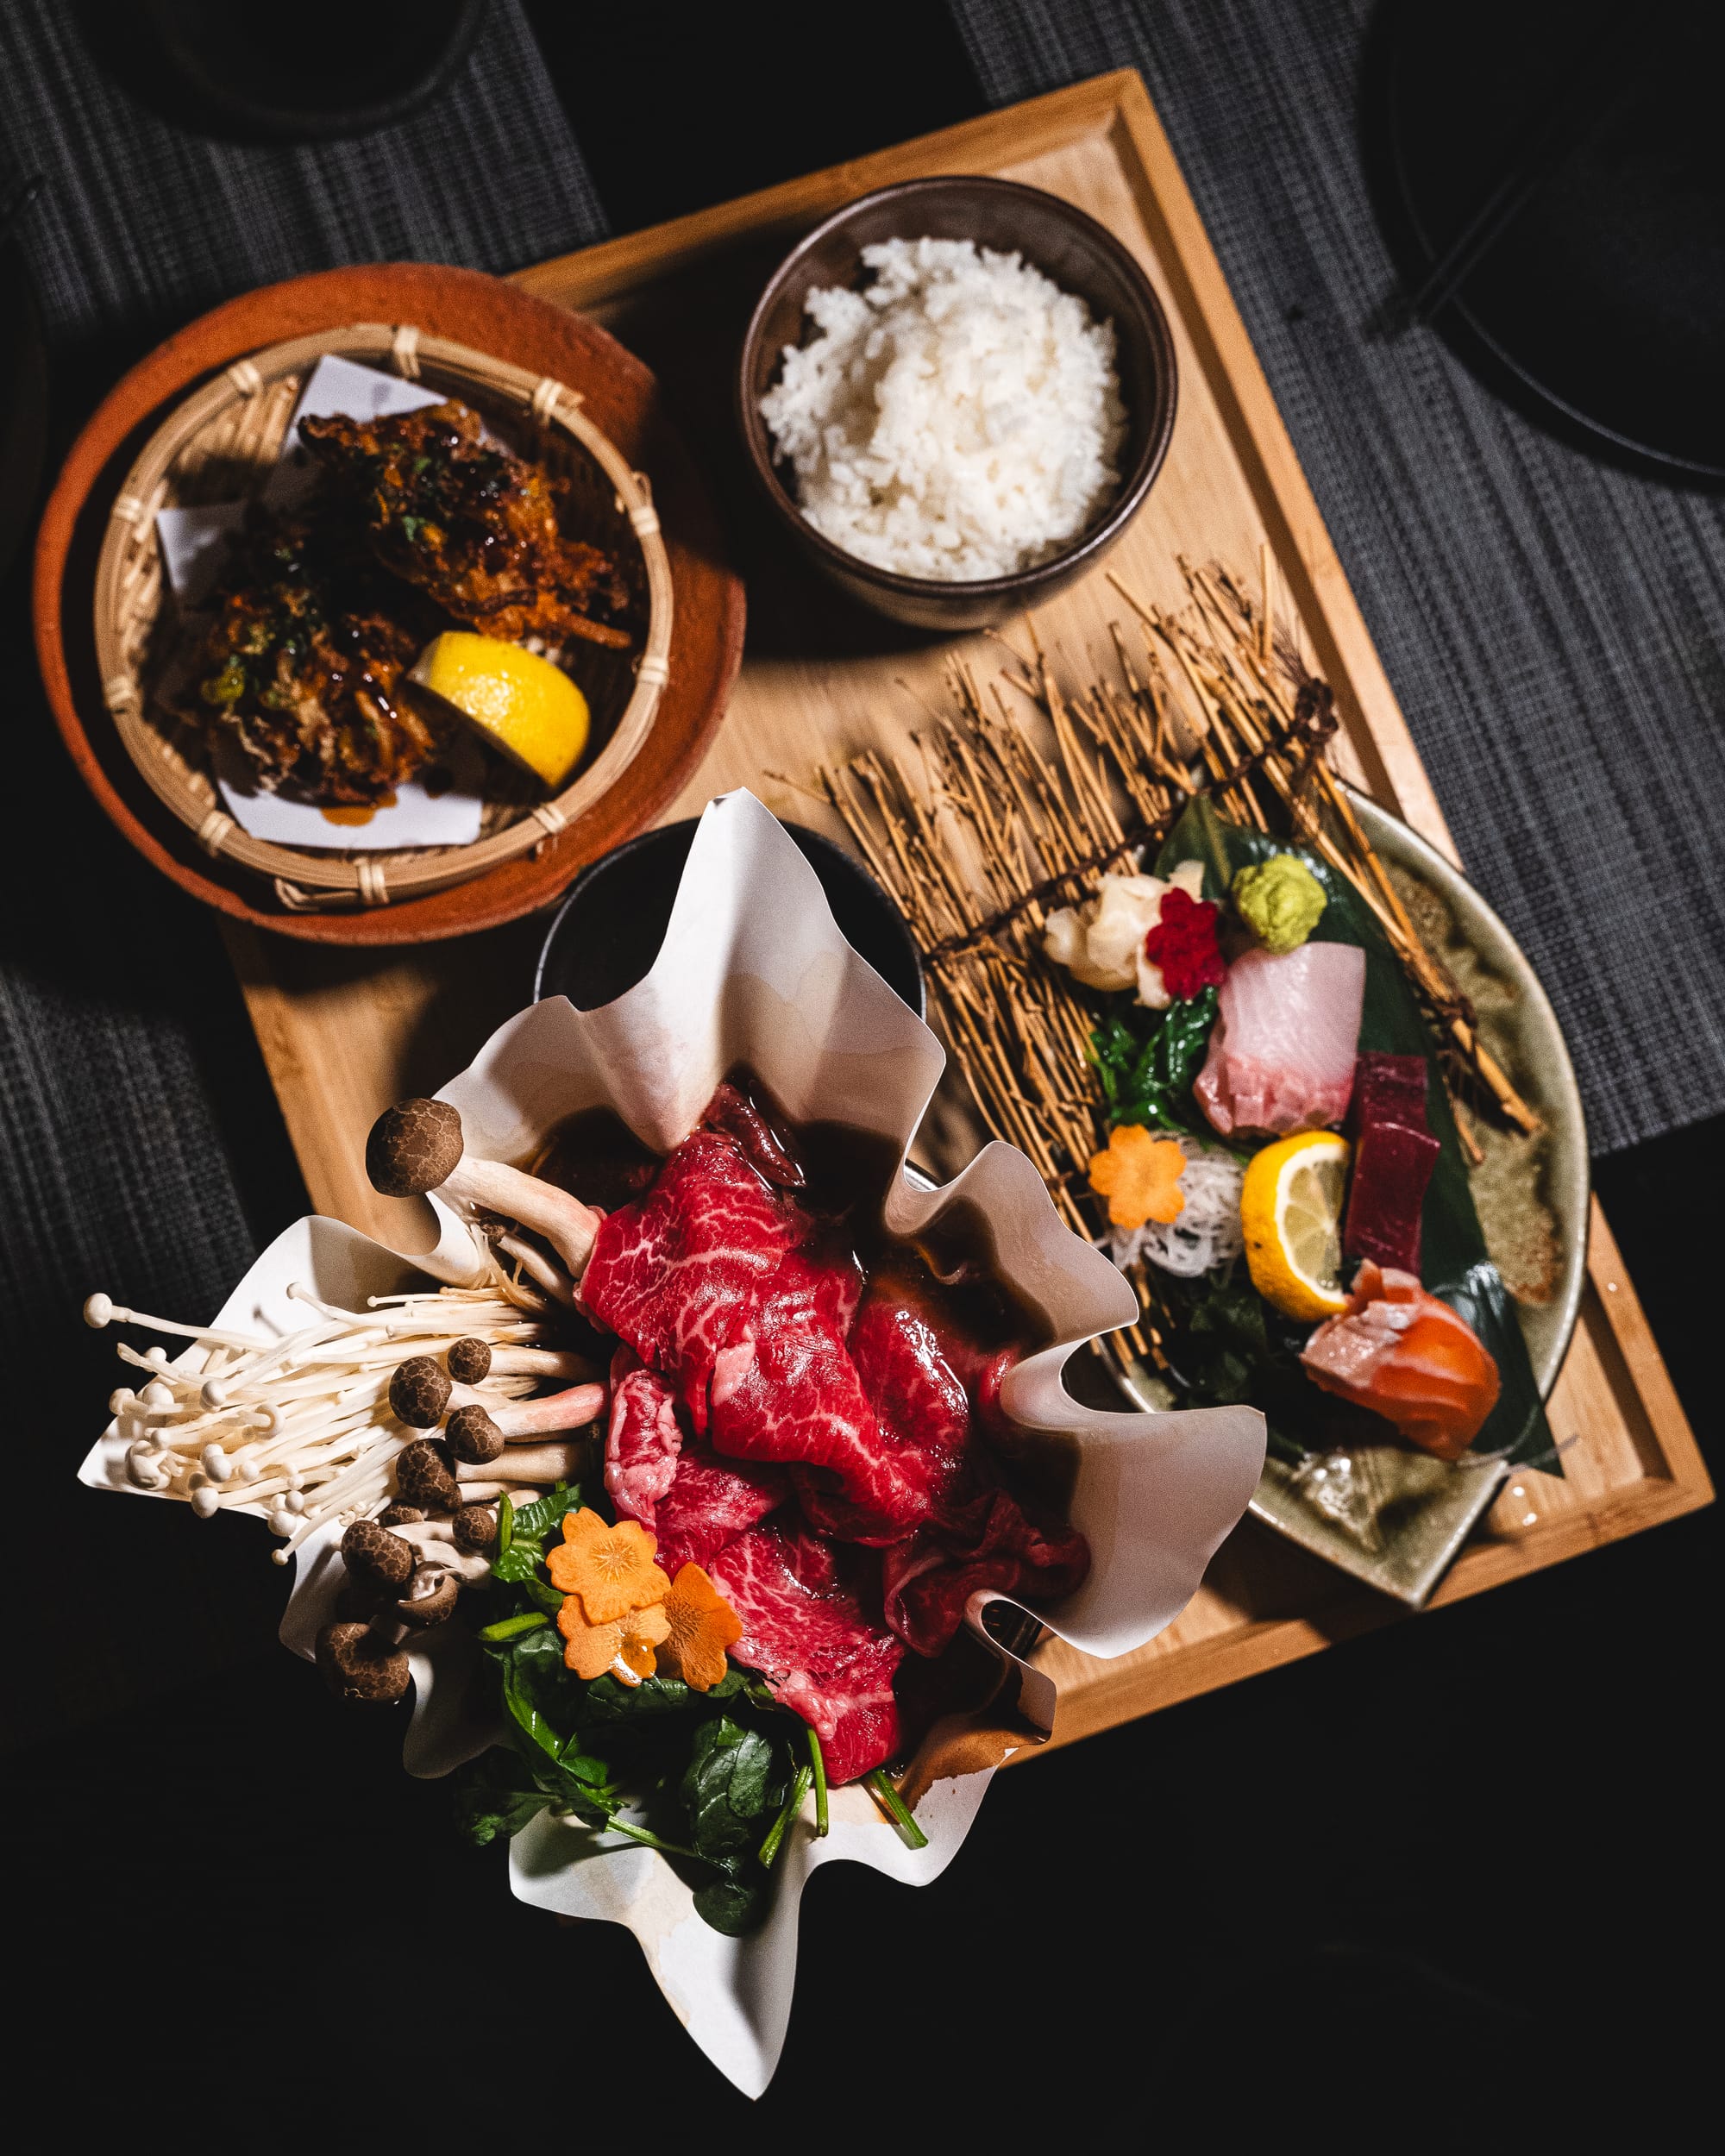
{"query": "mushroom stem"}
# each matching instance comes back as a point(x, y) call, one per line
point(492, 1187)
point(422, 1533)
point(529, 1463)
point(537, 1267)
point(373, 1468)
point(571, 1410)
point(465, 1563)
point(443, 1297)
point(102, 1310)
point(537, 1362)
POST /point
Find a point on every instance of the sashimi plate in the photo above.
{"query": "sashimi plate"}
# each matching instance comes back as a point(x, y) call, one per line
point(1390, 1515)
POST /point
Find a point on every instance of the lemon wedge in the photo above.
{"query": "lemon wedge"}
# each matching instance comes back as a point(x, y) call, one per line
point(1291, 1212)
point(518, 701)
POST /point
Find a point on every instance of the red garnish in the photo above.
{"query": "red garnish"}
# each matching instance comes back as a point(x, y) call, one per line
point(1183, 944)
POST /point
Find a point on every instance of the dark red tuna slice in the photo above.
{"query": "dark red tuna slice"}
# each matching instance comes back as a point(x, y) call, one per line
point(1392, 1166)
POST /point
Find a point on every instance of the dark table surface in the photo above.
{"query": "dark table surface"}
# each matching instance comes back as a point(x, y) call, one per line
point(1434, 1889)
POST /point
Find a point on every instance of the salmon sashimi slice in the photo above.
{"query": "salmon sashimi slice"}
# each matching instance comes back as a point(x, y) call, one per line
point(1281, 1055)
point(1409, 1357)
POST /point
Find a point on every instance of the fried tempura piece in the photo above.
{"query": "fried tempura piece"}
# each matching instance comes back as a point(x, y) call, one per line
point(475, 528)
point(304, 663)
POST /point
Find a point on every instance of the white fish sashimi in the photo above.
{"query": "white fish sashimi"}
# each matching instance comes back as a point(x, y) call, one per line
point(1282, 1056)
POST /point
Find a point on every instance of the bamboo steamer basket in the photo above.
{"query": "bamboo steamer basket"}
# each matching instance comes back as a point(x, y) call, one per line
point(221, 444)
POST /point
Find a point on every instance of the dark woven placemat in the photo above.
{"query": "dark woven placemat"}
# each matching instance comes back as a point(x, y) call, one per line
point(1555, 631)
point(142, 223)
point(140, 1148)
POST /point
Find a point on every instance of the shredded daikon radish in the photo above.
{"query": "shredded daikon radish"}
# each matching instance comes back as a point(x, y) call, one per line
point(1207, 1230)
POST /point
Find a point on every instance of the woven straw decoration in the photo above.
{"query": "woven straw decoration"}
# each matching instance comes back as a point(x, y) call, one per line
point(221, 444)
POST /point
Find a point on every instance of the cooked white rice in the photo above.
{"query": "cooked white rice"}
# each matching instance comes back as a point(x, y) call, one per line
point(957, 419)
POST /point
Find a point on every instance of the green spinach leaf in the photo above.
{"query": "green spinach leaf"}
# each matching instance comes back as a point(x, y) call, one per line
point(727, 1787)
point(1147, 1063)
point(495, 1795)
point(517, 1563)
point(733, 1902)
point(534, 1521)
point(607, 1701)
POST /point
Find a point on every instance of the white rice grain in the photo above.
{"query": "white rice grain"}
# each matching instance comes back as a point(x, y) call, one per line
point(959, 418)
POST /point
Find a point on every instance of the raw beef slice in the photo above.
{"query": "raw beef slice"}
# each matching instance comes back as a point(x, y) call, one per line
point(680, 1274)
point(989, 1542)
point(807, 1633)
point(732, 1113)
point(711, 1503)
point(789, 1392)
point(643, 1440)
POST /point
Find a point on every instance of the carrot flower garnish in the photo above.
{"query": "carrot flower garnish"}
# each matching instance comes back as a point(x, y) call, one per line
point(702, 1626)
point(1139, 1177)
point(626, 1647)
point(611, 1568)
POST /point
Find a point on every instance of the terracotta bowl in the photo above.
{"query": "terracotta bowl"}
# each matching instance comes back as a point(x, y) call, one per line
point(622, 398)
point(1072, 249)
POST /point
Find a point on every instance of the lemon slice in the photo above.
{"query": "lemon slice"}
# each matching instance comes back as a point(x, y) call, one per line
point(1291, 1212)
point(518, 701)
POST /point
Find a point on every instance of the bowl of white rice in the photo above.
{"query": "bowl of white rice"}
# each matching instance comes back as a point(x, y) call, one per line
point(956, 394)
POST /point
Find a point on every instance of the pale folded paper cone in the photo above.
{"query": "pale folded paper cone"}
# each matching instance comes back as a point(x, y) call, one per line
point(754, 971)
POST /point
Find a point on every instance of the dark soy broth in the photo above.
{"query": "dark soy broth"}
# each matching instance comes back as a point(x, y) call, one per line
point(597, 1156)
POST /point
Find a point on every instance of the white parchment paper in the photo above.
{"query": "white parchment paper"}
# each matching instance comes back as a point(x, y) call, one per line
point(753, 970)
point(194, 541)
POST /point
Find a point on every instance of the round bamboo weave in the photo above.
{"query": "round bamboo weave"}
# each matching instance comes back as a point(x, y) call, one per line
point(220, 445)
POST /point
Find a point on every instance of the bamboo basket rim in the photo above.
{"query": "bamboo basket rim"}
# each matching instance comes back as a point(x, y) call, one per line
point(305, 880)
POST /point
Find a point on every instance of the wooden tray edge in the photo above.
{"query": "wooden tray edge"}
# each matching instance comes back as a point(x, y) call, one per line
point(1120, 103)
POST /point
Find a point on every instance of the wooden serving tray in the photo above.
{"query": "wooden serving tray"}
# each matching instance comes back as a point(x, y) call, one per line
point(346, 1033)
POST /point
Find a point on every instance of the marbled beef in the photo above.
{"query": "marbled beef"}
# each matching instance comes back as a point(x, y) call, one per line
point(680, 1274)
point(711, 1503)
point(806, 1629)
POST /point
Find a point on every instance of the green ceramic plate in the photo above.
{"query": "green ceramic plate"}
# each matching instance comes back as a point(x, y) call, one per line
point(1392, 1516)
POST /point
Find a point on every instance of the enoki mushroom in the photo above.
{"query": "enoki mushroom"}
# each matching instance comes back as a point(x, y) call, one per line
point(301, 1425)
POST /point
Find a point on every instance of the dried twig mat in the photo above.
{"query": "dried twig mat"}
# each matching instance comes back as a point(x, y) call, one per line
point(1022, 792)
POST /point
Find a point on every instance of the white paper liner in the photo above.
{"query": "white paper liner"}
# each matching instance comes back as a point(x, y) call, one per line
point(193, 543)
point(754, 971)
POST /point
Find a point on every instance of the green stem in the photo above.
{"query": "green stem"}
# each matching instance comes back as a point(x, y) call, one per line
point(652, 1841)
point(507, 1627)
point(818, 1760)
point(794, 1804)
point(506, 1524)
point(893, 1806)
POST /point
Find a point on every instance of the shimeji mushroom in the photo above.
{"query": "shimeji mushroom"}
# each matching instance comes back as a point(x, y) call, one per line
point(382, 1558)
point(554, 1461)
point(475, 1529)
point(431, 1596)
point(418, 1146)
point(421, 1390)
point(425, 1475)
point(478, 1432)
point(360, 1664)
